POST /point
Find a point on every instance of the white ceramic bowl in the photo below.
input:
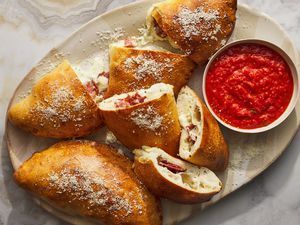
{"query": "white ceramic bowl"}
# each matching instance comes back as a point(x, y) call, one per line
point(293, 100)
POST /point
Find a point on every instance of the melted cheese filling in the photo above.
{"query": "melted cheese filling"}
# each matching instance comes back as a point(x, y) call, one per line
point(152, 34)
point(191, 124)
point(89, 71)
point(140, 44)
point(154, 92)
point(199, 179)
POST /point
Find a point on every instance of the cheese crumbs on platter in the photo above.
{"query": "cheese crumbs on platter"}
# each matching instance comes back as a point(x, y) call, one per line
point(110, 138)
point(108, 37)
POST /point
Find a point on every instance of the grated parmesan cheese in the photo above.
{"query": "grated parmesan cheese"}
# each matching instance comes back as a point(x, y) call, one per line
point(110, 138)
point(86, 186)
point(60, 107)
point(147, 118)
point(223, 42)
point(198, 23)
point(147, 66)
point(106, 37)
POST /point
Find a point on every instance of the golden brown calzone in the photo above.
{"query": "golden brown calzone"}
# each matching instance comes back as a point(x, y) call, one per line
point(58, 106)
point(90, 180)
point(144, 117)
point(198, 27)
point(133, 69)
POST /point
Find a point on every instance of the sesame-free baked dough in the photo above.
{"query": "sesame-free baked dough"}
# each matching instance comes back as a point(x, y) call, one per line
point(198, 28)
point(132, 69)
point(174, 179)
point(144, 117)
point(58, 106)
point(91, 180)
point(201, 140)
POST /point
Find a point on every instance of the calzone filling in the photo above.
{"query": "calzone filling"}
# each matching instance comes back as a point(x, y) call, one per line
point(170, 166)
point(97, 87)
point(191, 124)
point(136, 97)
point(131, 99)
point(184, 174)
point(159, 32)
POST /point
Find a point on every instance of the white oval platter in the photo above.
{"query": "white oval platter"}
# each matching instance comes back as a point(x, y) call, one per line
point(250, 154)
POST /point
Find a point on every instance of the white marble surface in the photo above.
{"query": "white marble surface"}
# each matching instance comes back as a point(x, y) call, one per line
point(29, 29)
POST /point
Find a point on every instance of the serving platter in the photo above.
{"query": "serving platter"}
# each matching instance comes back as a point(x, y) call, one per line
point(250, 154)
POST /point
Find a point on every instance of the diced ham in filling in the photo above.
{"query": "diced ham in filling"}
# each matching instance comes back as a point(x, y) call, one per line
point(158, 30)
point(191, 136)
point(130, 100)
point(130, 43)
point(170, 166)
point(92, 88)
point(103, 74)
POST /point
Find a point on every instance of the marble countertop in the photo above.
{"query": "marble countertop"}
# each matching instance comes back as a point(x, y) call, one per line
point(30, 28)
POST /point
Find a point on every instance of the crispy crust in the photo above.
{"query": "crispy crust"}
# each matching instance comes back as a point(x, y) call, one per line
point(59, 107)
point(161, 186)
point(166, 136)
point(198, 47)
point(213, 150)
point(122, 79)
point(99, 162)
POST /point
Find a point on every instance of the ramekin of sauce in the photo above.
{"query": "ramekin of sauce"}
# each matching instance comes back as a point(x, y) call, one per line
point(250, 86)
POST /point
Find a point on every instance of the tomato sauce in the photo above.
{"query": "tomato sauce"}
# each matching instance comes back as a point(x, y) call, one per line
point(249, 86)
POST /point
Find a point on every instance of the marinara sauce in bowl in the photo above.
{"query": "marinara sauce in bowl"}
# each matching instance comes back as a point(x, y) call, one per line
point(250, 86)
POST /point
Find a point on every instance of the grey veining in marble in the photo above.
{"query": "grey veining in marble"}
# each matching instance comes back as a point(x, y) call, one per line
point(30, 28)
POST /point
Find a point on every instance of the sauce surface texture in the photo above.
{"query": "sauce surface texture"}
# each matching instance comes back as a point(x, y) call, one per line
point(249, 86)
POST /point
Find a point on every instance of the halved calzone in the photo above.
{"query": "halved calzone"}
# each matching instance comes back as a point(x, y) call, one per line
point(133, 68)
point(201, 141)
point(174, 179)
point(144, 117)
point(90, 180)
point(58, 106)
point(198, 28)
